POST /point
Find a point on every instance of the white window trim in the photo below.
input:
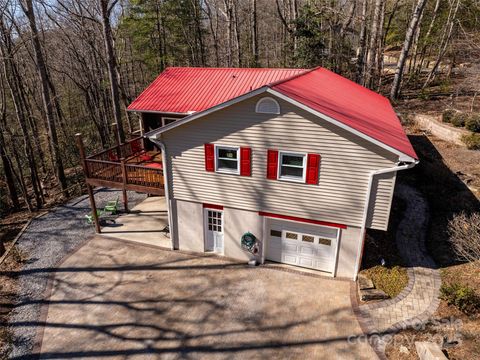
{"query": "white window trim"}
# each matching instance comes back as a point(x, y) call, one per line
point(227, 171)
point(291, 178)
point(263, 99)
point(206, 230)
point(167, 118)
point(205, 219)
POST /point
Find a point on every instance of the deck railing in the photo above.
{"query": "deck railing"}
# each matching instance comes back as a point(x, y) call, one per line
point(143, 176)
point(118, 167)
point(125, 151)
point(104, 170)
point(121, 167)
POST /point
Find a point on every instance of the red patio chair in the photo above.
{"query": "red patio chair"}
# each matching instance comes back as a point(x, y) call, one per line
point(112, 156)
point(154, 165)
point(137, 148)
point(145, 157)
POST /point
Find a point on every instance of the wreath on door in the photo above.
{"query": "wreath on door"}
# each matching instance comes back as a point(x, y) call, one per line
point(250, 243)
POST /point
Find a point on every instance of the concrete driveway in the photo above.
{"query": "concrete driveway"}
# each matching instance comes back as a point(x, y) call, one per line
point(117, 300)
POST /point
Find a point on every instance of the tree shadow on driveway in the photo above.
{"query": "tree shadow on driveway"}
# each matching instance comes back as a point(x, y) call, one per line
point(113, 299)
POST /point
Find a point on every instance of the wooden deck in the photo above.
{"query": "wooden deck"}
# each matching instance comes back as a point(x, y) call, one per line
point(128, 167)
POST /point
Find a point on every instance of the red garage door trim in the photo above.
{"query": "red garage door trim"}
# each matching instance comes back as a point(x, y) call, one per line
point(308, 221)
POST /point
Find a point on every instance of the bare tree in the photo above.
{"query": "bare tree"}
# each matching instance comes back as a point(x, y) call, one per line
point(6, 163)
point(28, 9)
point(106, 8)
point(406, 48)
point(376, 28)
point(445, 40)
point(464, 231)
point(255, 34)
point(362, 43)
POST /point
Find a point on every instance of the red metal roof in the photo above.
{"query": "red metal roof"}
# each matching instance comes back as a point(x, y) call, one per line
point(351, 104)
point(186, 89)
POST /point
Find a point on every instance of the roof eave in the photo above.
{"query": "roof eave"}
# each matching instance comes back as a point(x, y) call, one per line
point(402, 156)
point(155, 134)
point(159, 112)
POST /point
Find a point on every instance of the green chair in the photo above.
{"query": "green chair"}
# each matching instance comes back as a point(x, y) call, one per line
point(89, 217)
point(111, 207)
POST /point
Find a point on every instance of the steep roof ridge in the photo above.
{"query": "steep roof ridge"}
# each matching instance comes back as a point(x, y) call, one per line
point(281, 81)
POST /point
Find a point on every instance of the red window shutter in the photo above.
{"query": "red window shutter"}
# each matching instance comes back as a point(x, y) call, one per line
point(245, 161)
point(272, 164)
point(313, 165)
point(209, 157)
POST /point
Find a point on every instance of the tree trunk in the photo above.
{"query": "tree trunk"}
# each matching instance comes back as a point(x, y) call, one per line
point(379, 57)
point(255, 34)
point(112, 67)
point(7, 165)
point(199, 30)
point(370, 73)
point(427, 36)
point(238, 47)
point(447, 34)
point(14, 82)
point(362, 43)
point(213, 30)
point(395, 90)
point(27, 7)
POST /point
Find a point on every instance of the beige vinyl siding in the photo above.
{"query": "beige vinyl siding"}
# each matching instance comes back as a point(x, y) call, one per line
point(346, 161)
point(381, 198)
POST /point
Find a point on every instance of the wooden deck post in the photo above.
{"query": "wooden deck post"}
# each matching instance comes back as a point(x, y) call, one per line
point(91, 196)
point(124, 188)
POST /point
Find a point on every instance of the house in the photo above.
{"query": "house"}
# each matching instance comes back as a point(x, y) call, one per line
point(303, 160)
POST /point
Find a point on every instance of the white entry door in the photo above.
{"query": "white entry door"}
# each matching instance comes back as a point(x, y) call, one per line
point(307, 246)
point(214, 230)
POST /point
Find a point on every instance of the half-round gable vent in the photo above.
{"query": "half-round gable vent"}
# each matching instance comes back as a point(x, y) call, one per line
point(267, 105)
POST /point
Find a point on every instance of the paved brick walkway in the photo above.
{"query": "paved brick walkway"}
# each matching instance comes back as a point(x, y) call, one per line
point(419, 300)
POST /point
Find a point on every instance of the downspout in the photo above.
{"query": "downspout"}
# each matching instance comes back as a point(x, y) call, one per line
point(367, 203)
point(167, 189)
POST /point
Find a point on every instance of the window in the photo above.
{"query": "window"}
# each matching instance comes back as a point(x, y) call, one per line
point(168, 120)
point(292, 236)
point(308, 238)
point(214, 219)
point(276, 233)
point(292, 166)
point(267, 105)
point(227, 159)
point(323, 241)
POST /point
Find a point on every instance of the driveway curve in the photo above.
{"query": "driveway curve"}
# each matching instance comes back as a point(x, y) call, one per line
point(117, 300)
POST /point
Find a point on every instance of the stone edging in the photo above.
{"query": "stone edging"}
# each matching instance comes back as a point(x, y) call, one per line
point(443, 131)
point(423, 276)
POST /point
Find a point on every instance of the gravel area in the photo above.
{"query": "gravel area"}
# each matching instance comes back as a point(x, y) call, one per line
point(47, 240)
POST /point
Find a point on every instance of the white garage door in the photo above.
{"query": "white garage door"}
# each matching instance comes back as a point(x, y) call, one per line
point(303, 245)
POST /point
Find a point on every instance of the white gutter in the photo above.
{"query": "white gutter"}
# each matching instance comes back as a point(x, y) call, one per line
point(167, 190)
point(367, 203)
